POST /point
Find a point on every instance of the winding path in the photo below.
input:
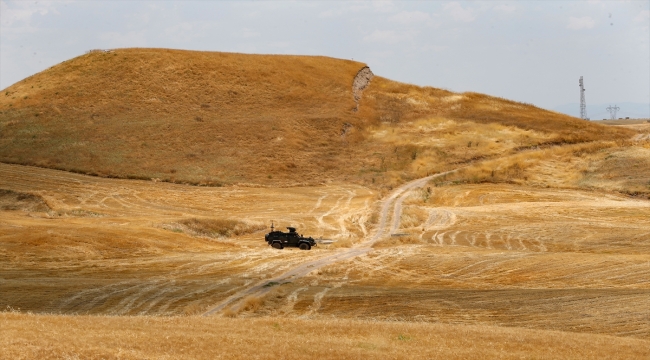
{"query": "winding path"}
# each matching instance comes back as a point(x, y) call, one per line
point(394, 201)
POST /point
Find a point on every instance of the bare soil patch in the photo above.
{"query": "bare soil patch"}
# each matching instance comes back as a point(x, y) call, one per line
point(12, 200)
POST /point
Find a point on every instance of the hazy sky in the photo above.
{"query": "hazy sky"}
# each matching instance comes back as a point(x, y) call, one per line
point(527, 51)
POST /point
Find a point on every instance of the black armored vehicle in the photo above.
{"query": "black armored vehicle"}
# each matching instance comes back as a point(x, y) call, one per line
point(280, 240)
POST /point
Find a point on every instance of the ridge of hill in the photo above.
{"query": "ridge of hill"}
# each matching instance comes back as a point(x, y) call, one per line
point(214, 118)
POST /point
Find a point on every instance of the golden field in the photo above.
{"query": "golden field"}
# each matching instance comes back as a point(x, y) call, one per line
point(212, 118)
point(449, 225)
point(113, 337)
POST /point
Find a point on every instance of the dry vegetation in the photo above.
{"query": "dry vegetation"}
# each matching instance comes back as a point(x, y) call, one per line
point(536, 246)
point(200, 117)
point(493, 255)
point(138, 257)
point(502, 254)
point(622, 166)
point(13, 200)
point(106, 337)
point(218, 227)
point(216, 119)
point(397, 102)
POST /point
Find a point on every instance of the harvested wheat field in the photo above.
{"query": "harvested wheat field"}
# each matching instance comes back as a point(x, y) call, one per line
point(115, 337)
point(448, 225)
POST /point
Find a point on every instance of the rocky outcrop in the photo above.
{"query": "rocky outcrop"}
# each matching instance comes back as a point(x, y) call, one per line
point(361, 81)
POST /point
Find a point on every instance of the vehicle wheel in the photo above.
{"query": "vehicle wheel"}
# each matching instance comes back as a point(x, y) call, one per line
point(305, 246)
point(277, 245)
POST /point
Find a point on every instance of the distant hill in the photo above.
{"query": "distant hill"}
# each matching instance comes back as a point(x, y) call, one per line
point(222, 118)
point(598, 112)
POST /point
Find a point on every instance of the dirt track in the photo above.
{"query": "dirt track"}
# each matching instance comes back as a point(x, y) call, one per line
point(497, 255)
point(394, 201)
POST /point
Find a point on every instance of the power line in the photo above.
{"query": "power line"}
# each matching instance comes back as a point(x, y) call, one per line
point(612, 111)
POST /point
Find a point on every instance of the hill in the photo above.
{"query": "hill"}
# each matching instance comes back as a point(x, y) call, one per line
point(221, 118)
point(533, 242)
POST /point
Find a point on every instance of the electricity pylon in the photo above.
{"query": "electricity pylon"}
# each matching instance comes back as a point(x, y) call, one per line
point(612, 111)
point(583, 103)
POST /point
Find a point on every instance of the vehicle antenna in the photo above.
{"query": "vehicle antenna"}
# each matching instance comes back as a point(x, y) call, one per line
point(272, 226)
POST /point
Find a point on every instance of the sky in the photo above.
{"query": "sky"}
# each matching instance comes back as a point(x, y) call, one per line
point(528, 51)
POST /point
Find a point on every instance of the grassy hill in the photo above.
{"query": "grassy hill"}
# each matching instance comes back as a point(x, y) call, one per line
point(221, 118)
point(528, 249)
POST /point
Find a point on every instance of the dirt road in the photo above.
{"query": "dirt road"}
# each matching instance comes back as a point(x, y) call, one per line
point(394, 201)
point(496, 254)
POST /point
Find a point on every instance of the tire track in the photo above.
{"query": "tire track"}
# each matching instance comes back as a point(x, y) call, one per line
point(393, 201)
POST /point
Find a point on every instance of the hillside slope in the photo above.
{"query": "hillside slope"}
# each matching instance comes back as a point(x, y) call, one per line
point(221, 118)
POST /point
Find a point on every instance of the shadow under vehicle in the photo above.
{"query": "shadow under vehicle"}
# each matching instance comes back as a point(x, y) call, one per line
point(280, 240)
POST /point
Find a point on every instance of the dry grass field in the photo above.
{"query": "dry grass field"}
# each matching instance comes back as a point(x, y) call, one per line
point(449, 225)
point(219, 118)
point(483, 258)
point(120, 246)
point(118, 337)
point(622, 167)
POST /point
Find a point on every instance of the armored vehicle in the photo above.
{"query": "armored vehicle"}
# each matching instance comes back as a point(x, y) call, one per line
point(280, 240)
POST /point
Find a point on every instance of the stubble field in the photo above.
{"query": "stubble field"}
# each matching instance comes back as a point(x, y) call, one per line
point(449, 225)
point(482, 258)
